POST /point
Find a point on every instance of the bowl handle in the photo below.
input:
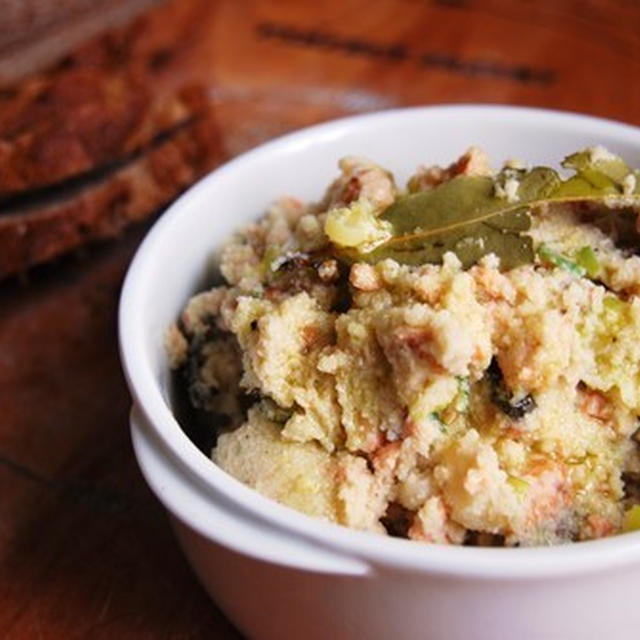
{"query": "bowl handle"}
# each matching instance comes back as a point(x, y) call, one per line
point(221, 520)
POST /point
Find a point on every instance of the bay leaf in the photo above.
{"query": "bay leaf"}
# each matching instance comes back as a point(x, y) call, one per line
point(598, 167)
point(469, 245)
point(465, 215)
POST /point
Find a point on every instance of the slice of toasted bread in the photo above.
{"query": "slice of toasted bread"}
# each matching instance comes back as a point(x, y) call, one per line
point(52, 129)
point(102, 207)
point(99, 103)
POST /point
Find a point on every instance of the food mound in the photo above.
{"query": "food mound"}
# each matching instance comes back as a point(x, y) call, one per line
point(457, 362)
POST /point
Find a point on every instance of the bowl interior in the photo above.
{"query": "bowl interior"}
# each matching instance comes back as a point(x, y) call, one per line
point(178, 252)
point(174, 259)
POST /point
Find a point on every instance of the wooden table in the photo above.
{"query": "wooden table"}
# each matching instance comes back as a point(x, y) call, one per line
point(85, 550)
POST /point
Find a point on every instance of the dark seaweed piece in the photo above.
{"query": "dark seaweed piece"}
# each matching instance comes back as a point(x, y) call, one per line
point(296, 271)
point(342, 302)
point(631, 480)
point(294, 274)
point(396, 520)
point(200, 426)
point(201, 395)
point(503, 397)
point(483, 539)
point(249, 398)
point(294, 262)
point(199, 407)
point(274, 412)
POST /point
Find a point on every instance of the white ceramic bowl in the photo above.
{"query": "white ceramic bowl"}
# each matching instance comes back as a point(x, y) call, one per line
point(277, 573)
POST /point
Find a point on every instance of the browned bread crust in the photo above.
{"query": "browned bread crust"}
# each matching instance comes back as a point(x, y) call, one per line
point(103, 208)
point(52, 129)
point(98, 104)
point(101, 138)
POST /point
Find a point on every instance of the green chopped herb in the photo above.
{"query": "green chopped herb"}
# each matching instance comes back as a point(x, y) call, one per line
point(461, 403)
point(587, 260)
point(631, 520)
point(558, 260)
point(434, 415)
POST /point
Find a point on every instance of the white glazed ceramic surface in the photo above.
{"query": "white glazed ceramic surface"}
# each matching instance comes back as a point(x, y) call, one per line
point(278, 573)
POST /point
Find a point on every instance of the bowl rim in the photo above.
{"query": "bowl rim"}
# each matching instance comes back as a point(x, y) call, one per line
point(192, 464)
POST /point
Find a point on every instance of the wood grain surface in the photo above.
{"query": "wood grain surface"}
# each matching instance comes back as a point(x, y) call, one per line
point(85, 550)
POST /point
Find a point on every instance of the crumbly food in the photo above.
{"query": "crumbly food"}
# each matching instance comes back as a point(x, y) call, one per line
point(444, 404)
